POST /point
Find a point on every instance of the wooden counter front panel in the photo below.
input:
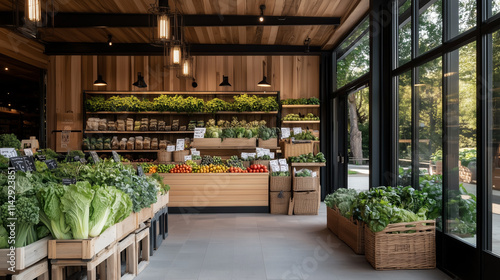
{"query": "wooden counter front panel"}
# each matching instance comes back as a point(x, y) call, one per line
point(212, 189)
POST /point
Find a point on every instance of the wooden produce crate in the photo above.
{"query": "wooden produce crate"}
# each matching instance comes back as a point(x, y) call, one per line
point(279, 202)
point(239, 143)
point(127, 245)
point(305, 203)
point(263, 162)
point(332, 220)
point(25, 256)
point(82, 249)
point(126, 227)
point(352, 233)
point(142, 246)
point(206, 143)
point(280, 183)
point(161, 202)
point(305, 183)
point(268, 144)
point(105, 262)
point(392, 248)
point(293, 150)
point(178, 156)
point(143, 215)
point(39, 271)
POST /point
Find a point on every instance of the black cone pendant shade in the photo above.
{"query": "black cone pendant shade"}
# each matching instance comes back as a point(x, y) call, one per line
point(225, 82)
point(140, 81)
point(264, 83)
point(100, 82)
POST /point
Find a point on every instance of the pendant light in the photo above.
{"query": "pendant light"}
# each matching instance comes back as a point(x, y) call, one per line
point(175, 54)
point(100, 81)
point(225, 82)
point(34, 12)
point(140, 83)
point(161, 22)
point(264, 82)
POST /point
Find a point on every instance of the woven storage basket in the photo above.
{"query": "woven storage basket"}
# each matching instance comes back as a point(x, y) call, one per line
point(279, 202)
point(332, 220)
point(306, 184)
point(279, 183)
point(179, 155)
point(263, 162)
point(390, 249)
point(305, 203)
point(352, 233)
point(293, 150)
point(164, 157)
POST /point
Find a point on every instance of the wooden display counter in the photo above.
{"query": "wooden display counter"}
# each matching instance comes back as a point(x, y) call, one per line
point(219, 192)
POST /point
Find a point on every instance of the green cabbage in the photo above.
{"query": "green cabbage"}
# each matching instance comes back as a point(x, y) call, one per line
point(76, 207)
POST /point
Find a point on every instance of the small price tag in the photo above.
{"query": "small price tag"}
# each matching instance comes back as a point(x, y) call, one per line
point(196, 153)
point(267, 152)
point(186, 158)
point(51, 164)
point(275, 167)
point(244, 155)
point(28, 152)
point(83, 161)
point(259, 149)
point(40, 157)
point(8, 152)
point(252, 155)
point(199, 132)
point(193, 150)
point(271, 155)
point(315, 174)
point(19, 164)
point(283, 161)
point(180, 145)
point(30, 163)
point(171, 148)
point(297, 130)
point(116, 157)
point(95, 157)
point(140, 171)
point(69, 181)
point(283, 168)
point(285, 132)
point(260, 154)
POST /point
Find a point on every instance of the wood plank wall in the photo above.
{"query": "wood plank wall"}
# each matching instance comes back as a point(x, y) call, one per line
point(18, 47)
point(69, 76)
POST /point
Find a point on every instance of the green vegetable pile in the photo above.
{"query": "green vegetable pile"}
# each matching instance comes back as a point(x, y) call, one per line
point(9, 141)
point(239, 129)
point(281, 174)
point(304, 135)
point(264, 157)
point(234, 162)
point(165, 168)
point(342, 199)
point(297, 117)
point(303, 173)
point(301, 101)
point(319, 157)
point(207, 160)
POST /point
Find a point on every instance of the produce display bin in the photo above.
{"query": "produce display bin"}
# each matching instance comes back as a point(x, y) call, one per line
point(332, 220)
point(306, 184)
point(279, 202)
point(239, 143)
point(305, 203)
point(352, 233)
point(127, 245)
point(178, 156)
point(38, 271)
point(25, 256)
point(402, 246)
point(125, 227)
point(263, 162)
point(293, 150)
point(280, 183)
point(164, 157)
point(206, 143)
point(143, 215)
point(268, 144)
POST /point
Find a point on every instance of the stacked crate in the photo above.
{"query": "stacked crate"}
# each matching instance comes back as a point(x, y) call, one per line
point(306, 190)
point(280, 193)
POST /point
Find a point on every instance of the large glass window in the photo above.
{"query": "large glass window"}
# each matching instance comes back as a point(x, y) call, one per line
point(404, 32)
point(404, 131)
point(353, 55)
point(467, 14)
point(495, 106)
point(495, 7)
point(430, 25)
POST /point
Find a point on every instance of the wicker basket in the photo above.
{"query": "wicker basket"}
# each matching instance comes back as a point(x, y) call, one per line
point(293, 150)
point(386, 250)
point(306, 184)
point(279, 202)
point(352, 233)
point(279, 183)
point(164, 157)
point(263, 162)
point(332, 220)
point(179, 155)
point(305, 203)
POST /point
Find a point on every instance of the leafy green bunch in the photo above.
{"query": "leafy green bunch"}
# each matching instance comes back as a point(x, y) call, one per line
point(301, 101)
point(217, 105)
point(342, 199)
point(9, 141)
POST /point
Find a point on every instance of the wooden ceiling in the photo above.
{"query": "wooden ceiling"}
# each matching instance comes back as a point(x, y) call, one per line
point(324, 36)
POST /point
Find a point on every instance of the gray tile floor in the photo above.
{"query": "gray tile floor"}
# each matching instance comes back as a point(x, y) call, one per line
point(262, 246)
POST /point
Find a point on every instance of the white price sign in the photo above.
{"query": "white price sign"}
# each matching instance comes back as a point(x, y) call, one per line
point(260, 154)
point(267, 152)
point(297, 130)
point(186, 158)
point(180, 145)
point(244, 155)
point(271, 155)
point(252, 155)
point(314, 174)
point(196, 153)
point(193, 150)
point(285, 132)
point(283, 161)
point(171, 148)
point(259, 149)
point(8, 152)
point(28, 152)
point(199, 132)
point(275, 167)
point(284, 168)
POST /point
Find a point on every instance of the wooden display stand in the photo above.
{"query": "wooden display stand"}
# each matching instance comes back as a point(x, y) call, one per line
point(142, 248)
point(126, 227)
point(25, 256)
point(313, 166)
point(142, 216)
point(39, 271)
point(127, 245)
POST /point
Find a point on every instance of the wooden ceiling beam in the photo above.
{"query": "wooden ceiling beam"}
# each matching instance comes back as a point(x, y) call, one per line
point(149, 49)
point(104, 20)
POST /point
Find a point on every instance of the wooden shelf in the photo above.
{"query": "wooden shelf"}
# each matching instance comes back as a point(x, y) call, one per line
point(183, 113)
point(300, 106)
point(122, 151)
point(300, 122)
point(181, 92)
point(308, 163)
point(138, 132)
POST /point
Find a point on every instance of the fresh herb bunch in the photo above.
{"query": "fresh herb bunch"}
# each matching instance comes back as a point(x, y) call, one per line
point(301, 101)
point(217, 105)
point(264, 157)
point(320, 157)
point(297, 117)
point(9, 141)
point(281, 174)
point(342, 199)
point(266, 133)
point(304, 135)
point(196, 157)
